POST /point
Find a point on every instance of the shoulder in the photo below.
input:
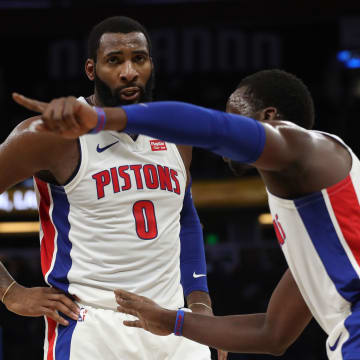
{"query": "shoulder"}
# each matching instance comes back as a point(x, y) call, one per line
point(298, 161)
point(27, 151)
point(290, 130)
point(26, 140)
point(289, 146)
point(312, 140)
point(296, 138)
point(26, 130)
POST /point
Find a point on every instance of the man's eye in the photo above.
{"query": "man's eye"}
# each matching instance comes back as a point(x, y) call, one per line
point(113, 60)
point(140, 58)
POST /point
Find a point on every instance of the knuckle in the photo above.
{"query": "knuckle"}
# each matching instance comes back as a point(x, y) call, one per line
point(45, 117)
point(67, 312)
point(62, 297)
point(47, 312)
point(67, 114)
point(57, 118)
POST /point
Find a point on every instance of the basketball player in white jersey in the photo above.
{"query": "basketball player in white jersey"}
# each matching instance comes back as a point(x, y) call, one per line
point(313, 183)
point(112, 209)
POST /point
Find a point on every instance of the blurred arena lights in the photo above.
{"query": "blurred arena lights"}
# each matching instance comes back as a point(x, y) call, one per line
point(265, 219)
point(19, 227)
point(211, 239)
point(350, 58)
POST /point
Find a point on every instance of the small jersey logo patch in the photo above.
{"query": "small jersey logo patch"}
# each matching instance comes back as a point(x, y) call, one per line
point(101, 149)
point(195, 275)
point(157, 145)
point(280, 233)
point(333, 347)
point(82, 314)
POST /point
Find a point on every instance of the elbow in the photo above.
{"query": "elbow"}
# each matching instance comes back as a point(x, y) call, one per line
point(278, 351)
point(278, 346)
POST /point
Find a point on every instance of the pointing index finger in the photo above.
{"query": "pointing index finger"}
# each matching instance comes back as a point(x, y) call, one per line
point(31, 104)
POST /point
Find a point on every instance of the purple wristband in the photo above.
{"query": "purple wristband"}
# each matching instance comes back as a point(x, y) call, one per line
point(101, 120)
point(179, 322)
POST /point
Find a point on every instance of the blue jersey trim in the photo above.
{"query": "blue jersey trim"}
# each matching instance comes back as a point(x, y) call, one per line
point(64, 338)
point(63, 262)
point(329, 247)
point(322, 233)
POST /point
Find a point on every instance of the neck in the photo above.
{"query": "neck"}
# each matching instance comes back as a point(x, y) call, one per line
point(93, 100)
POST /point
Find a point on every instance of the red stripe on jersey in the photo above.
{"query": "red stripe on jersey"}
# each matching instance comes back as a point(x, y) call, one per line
point(51, 335)
point(343, 197)
point(48, 239)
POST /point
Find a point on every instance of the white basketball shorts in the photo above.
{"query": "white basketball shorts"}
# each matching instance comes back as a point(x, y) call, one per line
point(100, 335)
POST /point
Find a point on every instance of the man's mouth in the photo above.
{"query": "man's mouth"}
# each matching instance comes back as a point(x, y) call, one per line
point(130, 93)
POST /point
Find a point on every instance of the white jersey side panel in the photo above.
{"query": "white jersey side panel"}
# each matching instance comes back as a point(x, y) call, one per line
point(116, 224)
point(320, 237)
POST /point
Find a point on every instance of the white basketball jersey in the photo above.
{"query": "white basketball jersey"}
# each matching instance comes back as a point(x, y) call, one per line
point(320, 237)
point(116, 224)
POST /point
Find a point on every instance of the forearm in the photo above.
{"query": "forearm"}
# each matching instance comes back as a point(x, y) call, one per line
point(5, 280)
point(269, 333)
point(199, 302)
point(229, 135)
point(272, 332)
point(236, 333)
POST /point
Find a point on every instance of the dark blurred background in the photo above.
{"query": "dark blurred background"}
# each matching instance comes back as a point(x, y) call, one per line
point(201, 50)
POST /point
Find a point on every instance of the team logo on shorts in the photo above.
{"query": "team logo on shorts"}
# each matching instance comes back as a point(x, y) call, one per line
point(82, 314)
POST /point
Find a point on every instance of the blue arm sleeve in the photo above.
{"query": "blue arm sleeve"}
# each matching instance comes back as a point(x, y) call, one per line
point(233, 136)
point(192, 255)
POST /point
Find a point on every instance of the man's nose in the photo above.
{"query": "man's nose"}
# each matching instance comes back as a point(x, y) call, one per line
point(128, 72)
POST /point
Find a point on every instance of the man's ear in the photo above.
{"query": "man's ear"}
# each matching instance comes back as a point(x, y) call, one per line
point(270, 113)
point(90, 69)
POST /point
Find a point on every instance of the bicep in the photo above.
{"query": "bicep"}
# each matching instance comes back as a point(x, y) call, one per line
point(24, 153)
point(16, 162)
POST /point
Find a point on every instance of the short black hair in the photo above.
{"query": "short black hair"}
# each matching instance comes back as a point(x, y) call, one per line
point(282, 90)
point(115, 24)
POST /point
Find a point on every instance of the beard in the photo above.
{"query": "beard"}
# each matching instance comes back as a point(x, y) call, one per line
point(111, 97)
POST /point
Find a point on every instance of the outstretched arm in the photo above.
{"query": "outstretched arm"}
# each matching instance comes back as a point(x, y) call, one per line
point(233, 136)
point(271, 333)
